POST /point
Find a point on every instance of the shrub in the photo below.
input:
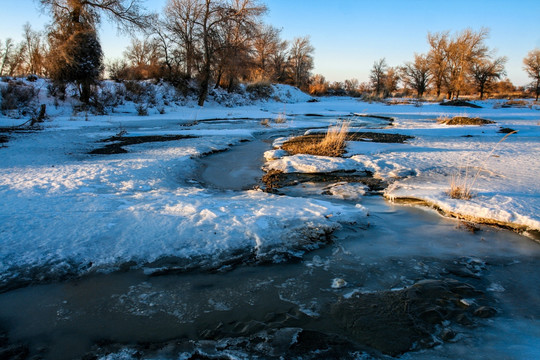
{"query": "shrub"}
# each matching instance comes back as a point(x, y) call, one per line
point(106, 99)
point(260, 90)
point(142, 109)
point(17, 96)
point(140, 92)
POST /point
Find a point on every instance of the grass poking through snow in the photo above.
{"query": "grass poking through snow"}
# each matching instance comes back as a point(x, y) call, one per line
point(332, 144)
point(461, 186)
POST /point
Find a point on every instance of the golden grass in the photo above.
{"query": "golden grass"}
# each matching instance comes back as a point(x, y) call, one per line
point(461, 186)
point(281, 118)
point(459, 189)
point(332, 144)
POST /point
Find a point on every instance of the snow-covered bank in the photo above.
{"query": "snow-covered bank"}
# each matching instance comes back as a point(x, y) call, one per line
point(64, 211)
point(504, 182)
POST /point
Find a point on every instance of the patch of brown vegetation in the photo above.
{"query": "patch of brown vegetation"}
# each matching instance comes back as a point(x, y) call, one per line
point(460, 103)
point(334, 144)
point(465, 120)
point(516, 104)
point(330, 144)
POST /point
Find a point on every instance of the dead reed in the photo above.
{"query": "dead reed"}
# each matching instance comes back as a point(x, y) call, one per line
point(331, 144)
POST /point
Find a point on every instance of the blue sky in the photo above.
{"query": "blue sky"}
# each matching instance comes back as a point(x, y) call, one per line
point(349, 35)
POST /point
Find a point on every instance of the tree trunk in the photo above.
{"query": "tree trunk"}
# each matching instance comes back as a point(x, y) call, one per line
point(205, 81)
point(85, 92)
point(218, 79)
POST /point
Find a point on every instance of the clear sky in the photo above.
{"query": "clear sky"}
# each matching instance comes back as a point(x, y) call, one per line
point(349, 35)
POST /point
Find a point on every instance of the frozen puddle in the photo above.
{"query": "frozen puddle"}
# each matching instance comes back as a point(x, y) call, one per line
point(241, 310)
point(235, 170)
point(411, 279)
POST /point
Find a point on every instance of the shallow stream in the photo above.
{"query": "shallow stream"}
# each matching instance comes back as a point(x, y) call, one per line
point(293, 309)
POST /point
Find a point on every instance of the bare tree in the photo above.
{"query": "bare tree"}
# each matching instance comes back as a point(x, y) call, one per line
point(377, 76)
point(532, 67)
point(215, 14)
point(485, 71)
point(6, 53)
point(416, 74)
point(351, 86)
point(144, 57)
point(301, 61)
point(34, 51)
point(165, 44)
point(438, 59)
point(278, 62)
point(182, 18)
point(126, 13)
point(391, 81)
point(268, 49)
point(464, 50)
point(234, 48)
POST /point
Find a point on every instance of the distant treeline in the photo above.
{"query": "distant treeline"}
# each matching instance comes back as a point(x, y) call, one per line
point(220, 43)
point(455, 65)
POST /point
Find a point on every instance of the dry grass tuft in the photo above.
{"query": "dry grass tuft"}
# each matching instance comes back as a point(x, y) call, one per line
point(281, 118)
point(443, 118)
point(459, 189)
point(461, 185)
point(332, 144)
point(265, 122)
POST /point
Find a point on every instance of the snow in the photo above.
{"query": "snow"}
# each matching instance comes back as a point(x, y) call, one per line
point(504, 177)
point(302, 163)
point(64, 211)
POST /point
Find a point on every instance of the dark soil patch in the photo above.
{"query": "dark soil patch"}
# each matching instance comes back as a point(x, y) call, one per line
point(118, 142)
point(388, 118)
point(505, 130)
point(3, 139)
point(464, 120)
point(395, 322)
point(274, 179)
point(460, 103)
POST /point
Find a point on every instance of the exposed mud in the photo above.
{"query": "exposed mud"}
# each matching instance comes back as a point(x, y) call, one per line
point(460, 103)
point(275, 179)
point(505, 130)
point(388, 118)
point(117, 143)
